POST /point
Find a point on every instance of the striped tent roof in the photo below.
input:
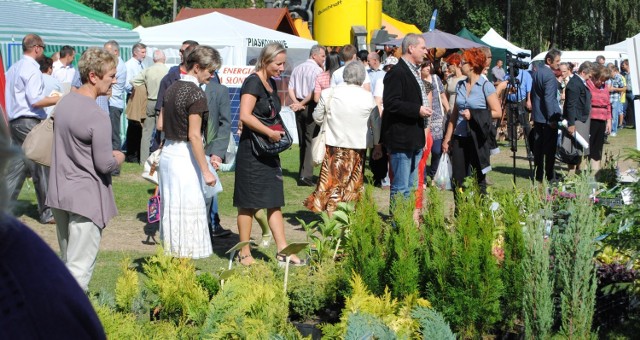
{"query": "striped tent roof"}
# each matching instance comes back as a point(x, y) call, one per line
point(57, 27)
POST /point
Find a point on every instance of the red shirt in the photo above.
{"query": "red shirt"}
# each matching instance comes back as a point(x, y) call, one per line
point(600, 105)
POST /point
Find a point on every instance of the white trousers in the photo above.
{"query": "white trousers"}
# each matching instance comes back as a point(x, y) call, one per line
point(79, 240)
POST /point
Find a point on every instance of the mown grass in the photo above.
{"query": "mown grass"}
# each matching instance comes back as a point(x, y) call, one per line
point(132, 193)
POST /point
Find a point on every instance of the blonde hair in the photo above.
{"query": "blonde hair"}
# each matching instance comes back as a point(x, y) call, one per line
point(96, 60)
point(269, 54)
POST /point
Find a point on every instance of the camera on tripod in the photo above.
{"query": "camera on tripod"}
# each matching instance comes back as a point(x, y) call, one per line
point(515, 63)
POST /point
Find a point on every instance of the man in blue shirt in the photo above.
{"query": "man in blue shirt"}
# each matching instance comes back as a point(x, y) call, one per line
point(116, 101)
point(26, 100)
point(520, 95)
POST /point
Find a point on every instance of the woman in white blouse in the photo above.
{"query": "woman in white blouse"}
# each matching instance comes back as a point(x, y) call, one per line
point(347, 109)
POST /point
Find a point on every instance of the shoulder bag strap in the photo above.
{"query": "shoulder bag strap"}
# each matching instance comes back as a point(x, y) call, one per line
point(435, 81)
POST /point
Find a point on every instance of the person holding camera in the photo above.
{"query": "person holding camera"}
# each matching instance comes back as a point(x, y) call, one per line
point(519, 94)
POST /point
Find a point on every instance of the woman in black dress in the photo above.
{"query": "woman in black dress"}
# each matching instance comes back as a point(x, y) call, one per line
point(258, 182)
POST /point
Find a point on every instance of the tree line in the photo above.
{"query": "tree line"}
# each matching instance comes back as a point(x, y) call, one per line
point(535, 24)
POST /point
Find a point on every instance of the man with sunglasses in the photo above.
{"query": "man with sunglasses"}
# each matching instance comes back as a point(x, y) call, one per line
point(25, 105)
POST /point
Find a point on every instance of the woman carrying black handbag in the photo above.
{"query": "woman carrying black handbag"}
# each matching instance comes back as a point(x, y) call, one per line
point(258, 182)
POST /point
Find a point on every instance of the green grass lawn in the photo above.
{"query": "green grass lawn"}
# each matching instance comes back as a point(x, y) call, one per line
point(132, 192)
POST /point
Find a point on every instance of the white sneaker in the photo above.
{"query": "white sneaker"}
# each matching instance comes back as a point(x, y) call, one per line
point(265, 242)
point(613, 134)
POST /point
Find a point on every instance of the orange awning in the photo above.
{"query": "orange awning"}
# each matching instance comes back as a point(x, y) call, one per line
point(398, 27)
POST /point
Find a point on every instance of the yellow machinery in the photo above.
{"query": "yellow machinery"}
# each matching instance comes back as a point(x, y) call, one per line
point(334, 20)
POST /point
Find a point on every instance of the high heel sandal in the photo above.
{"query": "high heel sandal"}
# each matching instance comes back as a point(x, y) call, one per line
point(282, 261)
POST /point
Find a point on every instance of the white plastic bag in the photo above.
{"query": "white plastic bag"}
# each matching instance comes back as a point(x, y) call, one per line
point(210, 191)
point(443, 174)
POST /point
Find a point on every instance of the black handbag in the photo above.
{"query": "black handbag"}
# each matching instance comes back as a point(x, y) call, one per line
point(260, 144)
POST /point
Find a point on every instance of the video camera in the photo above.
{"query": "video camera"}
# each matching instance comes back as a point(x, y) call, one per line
point(515, 63)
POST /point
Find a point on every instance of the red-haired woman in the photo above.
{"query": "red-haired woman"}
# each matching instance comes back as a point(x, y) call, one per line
point(469, 130)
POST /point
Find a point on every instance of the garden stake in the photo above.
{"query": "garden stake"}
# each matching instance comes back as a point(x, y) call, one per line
point(232, 253)
point(291, 249)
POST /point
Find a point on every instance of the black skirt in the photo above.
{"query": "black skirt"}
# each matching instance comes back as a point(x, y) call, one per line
point(258, 182)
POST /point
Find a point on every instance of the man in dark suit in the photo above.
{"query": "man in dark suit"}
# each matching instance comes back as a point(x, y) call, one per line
point(546, 114)
point(577, 106)
point(405, 112)
point(218, 134)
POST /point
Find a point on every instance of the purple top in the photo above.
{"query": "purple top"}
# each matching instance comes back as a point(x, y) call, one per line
point(82, 160)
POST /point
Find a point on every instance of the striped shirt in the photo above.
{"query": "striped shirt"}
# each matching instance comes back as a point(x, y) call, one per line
point(303, 78)
point(323, 81)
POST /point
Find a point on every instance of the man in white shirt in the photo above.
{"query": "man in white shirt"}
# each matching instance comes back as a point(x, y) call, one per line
point(134, 127)
point(348, 54)
point(135, 64)
point(375, 70)
point(301, 86)
point(116, 101)
point(62, 68)
point(25, 103)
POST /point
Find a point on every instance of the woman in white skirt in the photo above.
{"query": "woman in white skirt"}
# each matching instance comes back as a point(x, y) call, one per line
point(183, 169)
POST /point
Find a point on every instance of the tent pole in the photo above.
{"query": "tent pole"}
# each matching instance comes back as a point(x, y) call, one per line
point(115, 9)
point(175, 9)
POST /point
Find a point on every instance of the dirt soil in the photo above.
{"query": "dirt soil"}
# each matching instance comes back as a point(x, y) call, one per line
point(128, 233)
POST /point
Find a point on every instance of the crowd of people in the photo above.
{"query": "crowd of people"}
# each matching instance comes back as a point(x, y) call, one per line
point(402, 107)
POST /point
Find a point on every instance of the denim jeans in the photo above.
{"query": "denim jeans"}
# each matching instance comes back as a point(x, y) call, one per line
point(404, 170)
point(616, 110)
point(212, 217)
point(436, 154)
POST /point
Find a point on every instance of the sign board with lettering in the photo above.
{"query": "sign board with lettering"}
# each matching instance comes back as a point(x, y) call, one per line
point(233, 76)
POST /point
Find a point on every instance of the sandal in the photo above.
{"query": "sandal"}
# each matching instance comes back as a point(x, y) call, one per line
point(241, 260)
point(282, 261)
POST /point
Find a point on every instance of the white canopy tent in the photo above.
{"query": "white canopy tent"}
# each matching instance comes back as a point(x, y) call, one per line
point(496, 40)
point(237, 41)
point(632, 47)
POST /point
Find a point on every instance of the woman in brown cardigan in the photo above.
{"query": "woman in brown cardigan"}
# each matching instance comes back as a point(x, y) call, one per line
point(80, 194)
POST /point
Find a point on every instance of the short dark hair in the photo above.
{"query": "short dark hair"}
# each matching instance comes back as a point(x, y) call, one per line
point(363, 55)
point(138, 47)
point(45, 64)
point(190, 43)
point(552, 54)
point(347, 52)
point(66, 50)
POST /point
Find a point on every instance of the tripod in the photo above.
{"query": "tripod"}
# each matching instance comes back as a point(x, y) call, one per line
point(516, 116)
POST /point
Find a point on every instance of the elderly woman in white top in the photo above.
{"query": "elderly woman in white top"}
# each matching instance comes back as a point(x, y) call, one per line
point(347, 108)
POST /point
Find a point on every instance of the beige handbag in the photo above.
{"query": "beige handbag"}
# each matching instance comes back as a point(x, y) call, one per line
point(319, 142)
point(38, 144)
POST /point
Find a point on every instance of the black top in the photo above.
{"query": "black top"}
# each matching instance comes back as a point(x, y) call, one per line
point(577, 102)
point(267, 104)
point(182, 99)
point(402, 126)
point(171, 77)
